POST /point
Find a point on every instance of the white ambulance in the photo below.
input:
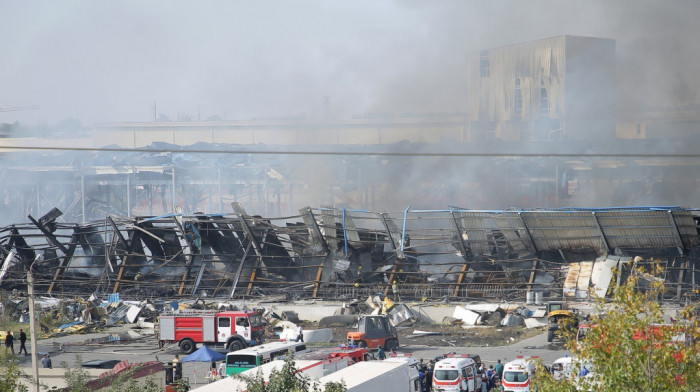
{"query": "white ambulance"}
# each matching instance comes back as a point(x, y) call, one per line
point(456, 374)
point(517, 374)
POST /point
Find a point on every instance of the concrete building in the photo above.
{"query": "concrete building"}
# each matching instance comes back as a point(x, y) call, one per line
point(560, 88)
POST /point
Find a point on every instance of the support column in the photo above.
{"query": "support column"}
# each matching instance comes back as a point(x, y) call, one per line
point(173, 189)
point(82, 194)
point(128, 195)
point(221, 196)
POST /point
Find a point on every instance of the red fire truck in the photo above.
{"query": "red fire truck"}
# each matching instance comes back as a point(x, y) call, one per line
point(233, 330)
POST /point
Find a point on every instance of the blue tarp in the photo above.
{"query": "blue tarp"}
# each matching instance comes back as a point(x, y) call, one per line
point(204, 354)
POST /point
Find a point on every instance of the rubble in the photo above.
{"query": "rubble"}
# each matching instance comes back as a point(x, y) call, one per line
point(327, 252)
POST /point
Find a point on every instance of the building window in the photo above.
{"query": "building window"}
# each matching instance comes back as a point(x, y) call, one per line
point(544, 101)
point(544, 98)
point(484, 65)
point(518, 99)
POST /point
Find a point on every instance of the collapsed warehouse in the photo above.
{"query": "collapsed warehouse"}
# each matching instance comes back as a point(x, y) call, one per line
point(336, 253)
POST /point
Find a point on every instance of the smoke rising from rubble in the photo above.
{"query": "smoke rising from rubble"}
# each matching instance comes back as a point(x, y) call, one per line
point(247, 60)
point(241, 60)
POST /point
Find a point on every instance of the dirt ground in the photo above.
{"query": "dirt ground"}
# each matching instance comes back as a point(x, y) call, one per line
point(448, 335)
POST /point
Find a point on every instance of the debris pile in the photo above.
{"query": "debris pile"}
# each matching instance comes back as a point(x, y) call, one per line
point(333, 253)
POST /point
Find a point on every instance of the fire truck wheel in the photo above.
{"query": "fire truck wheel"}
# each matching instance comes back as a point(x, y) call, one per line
point(235, 345)
point(391, 344)
point(187, 346)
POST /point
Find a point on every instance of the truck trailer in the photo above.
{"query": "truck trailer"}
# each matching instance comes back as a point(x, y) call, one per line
point(372, 376)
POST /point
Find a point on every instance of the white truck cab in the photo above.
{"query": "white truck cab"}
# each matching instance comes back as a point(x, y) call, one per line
point(456, 374)
point(517, 374)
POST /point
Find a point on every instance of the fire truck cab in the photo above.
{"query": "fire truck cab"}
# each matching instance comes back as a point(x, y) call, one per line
point(456, 374)
point(517, 374)
point(233, 330)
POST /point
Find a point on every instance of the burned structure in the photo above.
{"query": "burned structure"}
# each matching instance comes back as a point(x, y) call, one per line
point(559, 88)
point(335, 253)
point(162, 212)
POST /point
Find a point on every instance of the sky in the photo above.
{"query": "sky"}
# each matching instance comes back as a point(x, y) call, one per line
point(113, 61)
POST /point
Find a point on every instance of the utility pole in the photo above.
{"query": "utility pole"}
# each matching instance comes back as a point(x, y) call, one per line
point(32, 323)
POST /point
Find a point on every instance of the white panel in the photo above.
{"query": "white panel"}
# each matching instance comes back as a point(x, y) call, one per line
point(167, 328)
point(602, 274)
point(209, 333)
point(584, 279)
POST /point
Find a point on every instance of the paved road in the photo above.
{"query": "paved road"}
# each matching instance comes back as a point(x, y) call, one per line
point(97, 346)
point(534, 346)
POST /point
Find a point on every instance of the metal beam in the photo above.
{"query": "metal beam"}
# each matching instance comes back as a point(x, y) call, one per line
point(252, 241)
point(527, 232)
point(240, 269)
point(67, 252)
point(458, 235)
point(460, 279)
point(676, 232)
point(533, 272)
point(600, 231)
point(318, 242)
point(133, 237)
point(684, 266)
point(388, 225)
point(329, 229)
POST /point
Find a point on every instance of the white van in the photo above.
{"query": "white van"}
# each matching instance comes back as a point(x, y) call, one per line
point(456, 374)
point(570, 368)
point(517, 374)
point(561, 368)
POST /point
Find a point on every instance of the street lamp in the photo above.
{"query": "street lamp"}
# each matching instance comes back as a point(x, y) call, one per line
point(32, 323)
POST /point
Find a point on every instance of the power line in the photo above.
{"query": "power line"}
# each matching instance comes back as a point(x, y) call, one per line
point(365, 153)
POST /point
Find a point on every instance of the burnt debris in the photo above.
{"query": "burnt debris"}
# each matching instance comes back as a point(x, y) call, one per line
point(335, 253)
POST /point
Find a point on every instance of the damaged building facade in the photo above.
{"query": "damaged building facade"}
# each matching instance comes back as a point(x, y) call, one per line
point(337, 253)
point(560, 88)
point(212, 208)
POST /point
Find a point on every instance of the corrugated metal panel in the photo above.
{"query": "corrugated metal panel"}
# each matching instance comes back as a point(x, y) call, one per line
point(511, 226)
point(551, 230)
point(638, 229)
point(473, 224)
point(687, 227)
point(581, 229)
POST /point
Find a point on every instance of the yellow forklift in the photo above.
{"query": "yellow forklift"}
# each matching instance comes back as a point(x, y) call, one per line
point(560, 317)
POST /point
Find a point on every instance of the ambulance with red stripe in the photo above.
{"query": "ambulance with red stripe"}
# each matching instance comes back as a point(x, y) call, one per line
point(517, 374)
point(456, 374)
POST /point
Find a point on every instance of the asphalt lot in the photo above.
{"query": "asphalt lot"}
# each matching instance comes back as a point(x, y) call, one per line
point(144, 347)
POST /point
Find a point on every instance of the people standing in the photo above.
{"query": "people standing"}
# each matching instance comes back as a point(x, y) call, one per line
point(177, 366)
point(380, 353)
point(300, 334)
point(222, 369)
point(395, 290)
point(491, 375)
point(46, 362)
point(499, 369)
point(428, 386)
point(10, 343)
point(22, 341)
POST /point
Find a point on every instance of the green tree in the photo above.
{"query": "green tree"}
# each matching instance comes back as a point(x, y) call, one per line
point(629, 346)
point(10, 374)
point(76, 376)
point(287, 379)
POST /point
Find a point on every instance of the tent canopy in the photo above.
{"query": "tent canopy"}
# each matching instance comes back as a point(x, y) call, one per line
point(204, 354)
